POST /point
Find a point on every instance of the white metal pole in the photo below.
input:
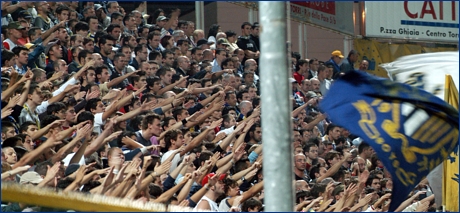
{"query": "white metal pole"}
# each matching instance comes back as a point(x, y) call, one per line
point(197, 15)
point(276, 108)
point(305, 39)
point(300, 26)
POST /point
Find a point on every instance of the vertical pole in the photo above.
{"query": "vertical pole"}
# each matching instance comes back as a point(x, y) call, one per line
point(251, 15)
point(202, 15)
point(299, 27)
point(346, 46)
point(198, 15)
point(276, 108)
point(305, 39)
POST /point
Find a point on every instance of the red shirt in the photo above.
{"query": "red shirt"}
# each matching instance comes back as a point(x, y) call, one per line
point(298, 77)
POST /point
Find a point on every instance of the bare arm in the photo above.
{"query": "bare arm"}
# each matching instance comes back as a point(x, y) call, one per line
point(120, 79)
point(171, 86)
point(31, 156)
point(168, 194)
point(65, 150)
point(10, 91)
point(331, 171)
point(407, 202)
point(249, 193)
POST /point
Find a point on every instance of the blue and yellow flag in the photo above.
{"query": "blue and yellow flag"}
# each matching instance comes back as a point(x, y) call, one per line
point(411, 130)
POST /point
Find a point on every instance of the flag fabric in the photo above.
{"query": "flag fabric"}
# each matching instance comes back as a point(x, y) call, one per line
point(427, 71)
point(450, 175)
point(411, 130)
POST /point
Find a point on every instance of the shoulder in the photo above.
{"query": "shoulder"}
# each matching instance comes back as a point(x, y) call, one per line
point(204, 204)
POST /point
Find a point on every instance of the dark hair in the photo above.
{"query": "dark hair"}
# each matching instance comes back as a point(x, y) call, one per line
point(81, 26)
point(103, 39)
point(171, 135)
point(230, 33)
point(48, 119)
point(138, 48)
point(85, 116)
point(11, 142)
point(251, 203)
point(307, 147)
point(61, 8)
point(213, 30)
point(83, 54)
point(17, 49)
point(115, 15)
point(55, 107)
point(6, 56)
point(244, 24)
point(111, 27)
point(92, 104)
point(363, 146)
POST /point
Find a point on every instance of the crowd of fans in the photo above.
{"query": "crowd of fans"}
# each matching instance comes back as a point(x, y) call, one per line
point(126, 104)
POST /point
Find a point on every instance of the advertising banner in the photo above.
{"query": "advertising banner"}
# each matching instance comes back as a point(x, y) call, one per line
point(415, 20)
point(337, 16)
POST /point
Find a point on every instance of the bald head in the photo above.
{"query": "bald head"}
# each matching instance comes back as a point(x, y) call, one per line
point(315, 84)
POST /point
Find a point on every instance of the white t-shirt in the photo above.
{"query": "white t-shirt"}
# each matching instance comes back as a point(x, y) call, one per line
point(70, 156)
point(175, 161)
point(98, 123)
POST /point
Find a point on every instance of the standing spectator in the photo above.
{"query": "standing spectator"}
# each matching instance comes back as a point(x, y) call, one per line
point(255, 34)
point(245, 43)
point(43, 21)
point(335, 60)
point(348, 63)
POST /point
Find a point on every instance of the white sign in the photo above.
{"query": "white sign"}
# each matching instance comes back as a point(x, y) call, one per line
point(417, 20)
point(336, 16)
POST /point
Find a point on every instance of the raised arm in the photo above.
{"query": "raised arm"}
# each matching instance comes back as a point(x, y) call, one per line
point(65, 150)
point(331, 171)
point(120, 79)
point(171, 86)
point(10, 91)
point(31, 156)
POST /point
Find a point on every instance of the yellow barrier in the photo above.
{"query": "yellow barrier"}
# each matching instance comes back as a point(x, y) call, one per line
point(47, 197)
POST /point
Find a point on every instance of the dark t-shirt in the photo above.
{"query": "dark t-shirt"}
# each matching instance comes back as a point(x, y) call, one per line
point(246, 44)
point(256, 41)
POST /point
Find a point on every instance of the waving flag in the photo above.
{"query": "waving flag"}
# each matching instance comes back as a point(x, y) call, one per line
point(437, 73)
point(411, 130)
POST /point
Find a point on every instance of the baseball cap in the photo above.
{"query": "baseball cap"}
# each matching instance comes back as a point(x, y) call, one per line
point(223, 41)
point(29, 45)
point(338, 189)
point(50, 45)
point(328, 180)
point(30, 177)
point(210, 175)
point(162, 18)
point(97, 6)
point(337, 53)
point(71, 169)
point(311, 94)
point(203, 41)
point(24, 14)
point(15, 25)
point(292, 80)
